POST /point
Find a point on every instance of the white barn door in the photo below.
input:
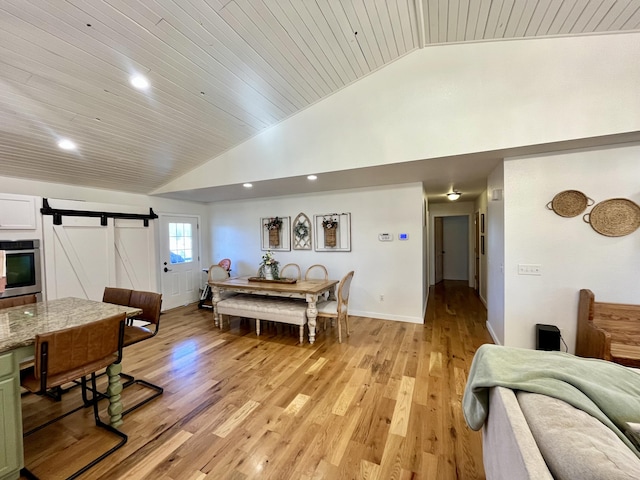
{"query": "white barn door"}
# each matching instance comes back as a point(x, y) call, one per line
point(79, 257)
point(135, 255)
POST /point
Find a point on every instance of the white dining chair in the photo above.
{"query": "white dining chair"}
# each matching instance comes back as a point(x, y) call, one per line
point(338, 309)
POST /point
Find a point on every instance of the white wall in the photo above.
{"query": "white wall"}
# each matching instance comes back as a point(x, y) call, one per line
point(446, 101)
point(393, 269)
point(572, 254)
point(495, 247)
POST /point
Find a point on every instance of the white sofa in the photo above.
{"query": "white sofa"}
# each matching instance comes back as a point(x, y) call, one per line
point(552, 415)
point(533, 436)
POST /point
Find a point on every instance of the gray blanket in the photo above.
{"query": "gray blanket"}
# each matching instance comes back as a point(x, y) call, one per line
point(605, 390)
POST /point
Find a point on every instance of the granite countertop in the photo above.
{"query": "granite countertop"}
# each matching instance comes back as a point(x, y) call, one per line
point(20, 325)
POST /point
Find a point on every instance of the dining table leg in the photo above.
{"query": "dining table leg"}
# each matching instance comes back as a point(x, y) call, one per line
point(312, 314)
point(114, 391)
point(215, 298)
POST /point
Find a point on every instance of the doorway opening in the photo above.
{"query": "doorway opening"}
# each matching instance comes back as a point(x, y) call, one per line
point(451, 248)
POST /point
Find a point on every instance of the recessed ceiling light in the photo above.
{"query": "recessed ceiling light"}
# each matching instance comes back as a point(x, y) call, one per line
point(139, 82)
point(67, 144)
point(312, 177)
point(247, 185)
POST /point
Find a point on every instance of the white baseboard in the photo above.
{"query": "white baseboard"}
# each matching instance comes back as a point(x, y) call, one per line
point(493, 334)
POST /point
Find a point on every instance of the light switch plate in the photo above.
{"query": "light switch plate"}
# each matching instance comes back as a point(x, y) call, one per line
point(529, 269)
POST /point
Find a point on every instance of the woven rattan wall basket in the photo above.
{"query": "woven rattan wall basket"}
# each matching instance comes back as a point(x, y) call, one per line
point(570, 203)
point(615, 217)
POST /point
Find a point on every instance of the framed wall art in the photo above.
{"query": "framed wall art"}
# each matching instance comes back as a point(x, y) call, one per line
point(332, 232)
point(301, 232)
point(275, 233)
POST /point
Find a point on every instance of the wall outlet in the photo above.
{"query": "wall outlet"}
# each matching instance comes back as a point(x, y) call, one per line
point(381, 298)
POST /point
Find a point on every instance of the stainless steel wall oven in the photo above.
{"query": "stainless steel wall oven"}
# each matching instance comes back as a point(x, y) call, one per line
point(23, 267)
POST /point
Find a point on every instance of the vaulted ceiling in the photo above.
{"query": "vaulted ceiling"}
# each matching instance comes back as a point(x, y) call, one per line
point(220, 71)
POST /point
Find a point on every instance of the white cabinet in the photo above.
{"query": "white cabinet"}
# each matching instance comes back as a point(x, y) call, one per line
point(17, 212)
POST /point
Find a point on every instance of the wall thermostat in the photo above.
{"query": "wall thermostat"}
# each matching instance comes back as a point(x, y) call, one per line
point(385, 237)
point(403, 236)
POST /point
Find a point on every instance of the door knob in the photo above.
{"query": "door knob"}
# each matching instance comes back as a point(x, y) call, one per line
point(167, 269)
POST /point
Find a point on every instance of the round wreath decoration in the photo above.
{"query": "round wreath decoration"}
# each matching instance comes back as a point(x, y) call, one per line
point(301, 230)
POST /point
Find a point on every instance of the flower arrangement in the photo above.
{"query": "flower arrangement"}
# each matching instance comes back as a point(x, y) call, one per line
point(269, 266)
point(329, 223)
point(274, 223)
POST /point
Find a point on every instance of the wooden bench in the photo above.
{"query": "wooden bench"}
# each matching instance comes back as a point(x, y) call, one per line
point(610, 331)
point(275, 309)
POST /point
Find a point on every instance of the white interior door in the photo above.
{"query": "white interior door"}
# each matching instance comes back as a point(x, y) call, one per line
point(179, 260)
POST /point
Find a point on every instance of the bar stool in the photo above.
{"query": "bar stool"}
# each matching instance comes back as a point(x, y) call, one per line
point(74, 353)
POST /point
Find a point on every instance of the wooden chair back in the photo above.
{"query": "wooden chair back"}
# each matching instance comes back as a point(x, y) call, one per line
point(291, 270)
point(316, 271)
point(343, 292)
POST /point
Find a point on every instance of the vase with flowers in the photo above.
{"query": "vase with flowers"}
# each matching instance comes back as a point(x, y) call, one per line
point(269, 267)
point(330, 225)
point(273, 225)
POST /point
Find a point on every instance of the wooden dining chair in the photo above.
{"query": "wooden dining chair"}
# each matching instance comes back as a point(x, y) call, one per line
point(317, 272)
point(17, 301)
point(135, 332)
point(74, 353)
point(338, 310)
point(291, 270)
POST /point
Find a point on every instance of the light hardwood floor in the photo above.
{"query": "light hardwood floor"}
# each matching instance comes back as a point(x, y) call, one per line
point(384, 404)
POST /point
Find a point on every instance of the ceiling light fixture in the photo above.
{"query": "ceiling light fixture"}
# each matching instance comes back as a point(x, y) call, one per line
point(67, 144)
point(139, 82)
point(312, 177)
point(453, 195)
point(247, 185)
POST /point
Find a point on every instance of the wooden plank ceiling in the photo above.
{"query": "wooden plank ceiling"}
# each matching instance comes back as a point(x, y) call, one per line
point(220, 71)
